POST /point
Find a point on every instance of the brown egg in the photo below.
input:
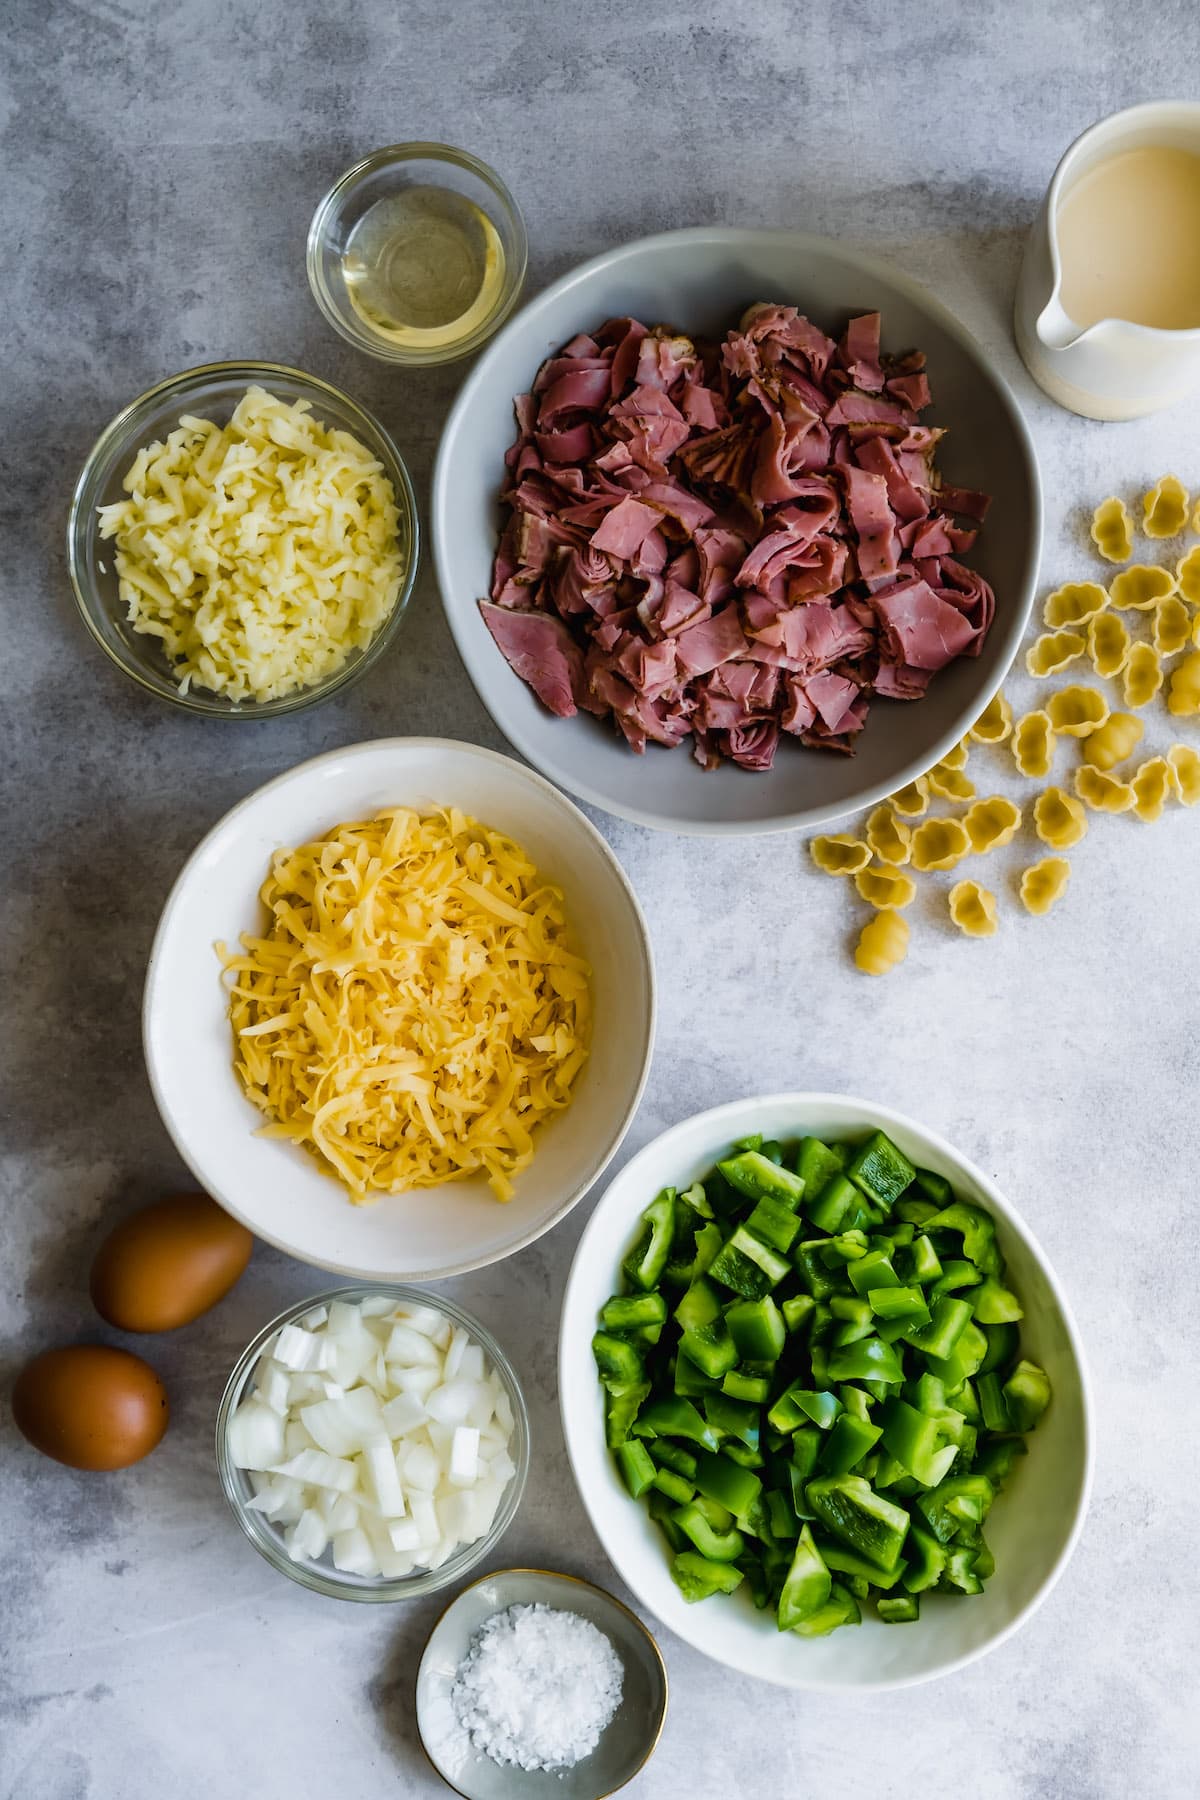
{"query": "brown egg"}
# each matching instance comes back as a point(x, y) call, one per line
point(165, 1265)
point(90, 1406)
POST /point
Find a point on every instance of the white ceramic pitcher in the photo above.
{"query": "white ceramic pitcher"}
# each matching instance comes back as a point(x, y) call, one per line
point(1113, 369)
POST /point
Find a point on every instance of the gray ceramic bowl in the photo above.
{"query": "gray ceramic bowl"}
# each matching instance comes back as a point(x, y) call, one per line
point(700, 281)
point(624, 1748)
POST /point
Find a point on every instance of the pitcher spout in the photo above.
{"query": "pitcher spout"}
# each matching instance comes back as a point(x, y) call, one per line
point(1055, 328)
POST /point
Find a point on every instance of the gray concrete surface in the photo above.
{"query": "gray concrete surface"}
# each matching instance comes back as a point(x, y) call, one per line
point(160, 166)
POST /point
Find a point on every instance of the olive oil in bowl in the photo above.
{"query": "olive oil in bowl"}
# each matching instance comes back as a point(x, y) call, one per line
point(424, 267)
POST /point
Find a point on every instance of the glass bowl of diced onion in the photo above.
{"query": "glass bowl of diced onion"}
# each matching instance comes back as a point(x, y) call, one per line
point(213, 392)
point(398, 1449)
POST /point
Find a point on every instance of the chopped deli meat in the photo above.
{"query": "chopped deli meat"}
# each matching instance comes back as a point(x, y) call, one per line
point(732, 541)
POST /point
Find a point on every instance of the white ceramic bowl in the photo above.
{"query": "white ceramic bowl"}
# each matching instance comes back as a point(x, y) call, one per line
point(1034, 1525)
point(700, 280)
point(275, 1188)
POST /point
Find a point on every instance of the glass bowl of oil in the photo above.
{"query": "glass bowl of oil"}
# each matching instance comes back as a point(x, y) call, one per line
point(417, 254)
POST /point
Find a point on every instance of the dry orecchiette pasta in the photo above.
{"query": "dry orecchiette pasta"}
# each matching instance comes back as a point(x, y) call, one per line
point(1108, 643)
point(889, 837)
point(990, 824)
point(1074, 604)
point(1140, 587)
point(1143, 675)
point(1077, 711)
point(882, 887)
point(973, 909)
point(995, 721)
point(882, 943)
point(1043, 883)
point(1033, 744)
point(839, 855)
point(1187, 571)
point(1172, 626)
point(912, 801)
point(1102, 792)
point(1165, 508)
point(1058, 818)
point(939, 844)
point(957, 757)
point(1196, 517)
point(1185, 766)
point(1116, 739)
point(1152, 783)
point(1183, 696)
point(1112, 530)
point(1053, 652)
point(950, 784)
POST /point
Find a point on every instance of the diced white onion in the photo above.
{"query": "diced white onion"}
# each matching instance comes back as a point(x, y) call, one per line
point(375, 1435)
point(256, 1436)
point(464, 1455)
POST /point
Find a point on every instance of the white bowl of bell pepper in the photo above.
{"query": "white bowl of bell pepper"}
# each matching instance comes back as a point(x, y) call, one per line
point(823, 1396)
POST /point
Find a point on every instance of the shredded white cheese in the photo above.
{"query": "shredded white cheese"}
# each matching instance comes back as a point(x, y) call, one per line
point(261, 553)
point(413, 1008)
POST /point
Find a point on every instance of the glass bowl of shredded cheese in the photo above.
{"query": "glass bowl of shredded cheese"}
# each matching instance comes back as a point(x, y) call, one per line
point(243, 540)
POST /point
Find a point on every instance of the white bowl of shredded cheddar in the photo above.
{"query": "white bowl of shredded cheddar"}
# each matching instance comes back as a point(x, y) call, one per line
point(243, 540)
point(429, 1019)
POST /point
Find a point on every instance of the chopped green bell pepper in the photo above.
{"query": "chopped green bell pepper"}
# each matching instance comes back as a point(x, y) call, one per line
point(905, 1303)
point(699, 1306)
point(676, 1487)
point(873, 1527)
point(758, 1328)
point(849, 1440)
point(1002, 1344)
point(817, 1163)
point(672, 1456)
point(724, 1481)
point(621, 1411)
point(798, 1405)
point(797, 1310)
point(994, 1304)
point(1027, 1392)
point(630, 1312)
point(926, 1560)
point(748, 1266)
point(977, 1230)
point(873, 1271)
point(870, 1359)
point(958, 1500)
point(718, 1546)
point(841, 1608)
point(948, 1321)
point(733, 1418)
point(960, 1570)
point(881, 1171)
point(898, 1609)
point(756, 1176)
point(637, 1470)
point(697, 1199)
point(934, 1187)
point(916, 1440)
point(618, 1362)
point(992, 1404)
point(645, 1263)
point(807, 1585)
point(773, 1223)
point(711, 1348)
point(677, 1418)
point(697, 1577)
point(837, 1203)
point(740, 1386)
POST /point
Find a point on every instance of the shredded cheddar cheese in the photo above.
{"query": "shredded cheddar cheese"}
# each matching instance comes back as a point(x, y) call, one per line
point(261, 553)
point(413, 1008)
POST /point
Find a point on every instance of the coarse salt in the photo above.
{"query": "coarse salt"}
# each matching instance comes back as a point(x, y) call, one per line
point(537, 1687)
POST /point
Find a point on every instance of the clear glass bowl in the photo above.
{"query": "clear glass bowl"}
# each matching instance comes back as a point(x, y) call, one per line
point(214, 390)
point(321, 1576)
point(379, 175)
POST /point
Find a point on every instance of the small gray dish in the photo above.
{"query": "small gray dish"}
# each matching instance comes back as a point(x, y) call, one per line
point(625, 1746)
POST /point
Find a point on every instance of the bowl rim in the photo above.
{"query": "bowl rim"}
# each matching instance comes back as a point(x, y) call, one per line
point(577, 1581)
point(322, 1578)
point(734, 1113)
point(116, 433)
point(308, 769)
point(720, 237)
point(394, 156)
